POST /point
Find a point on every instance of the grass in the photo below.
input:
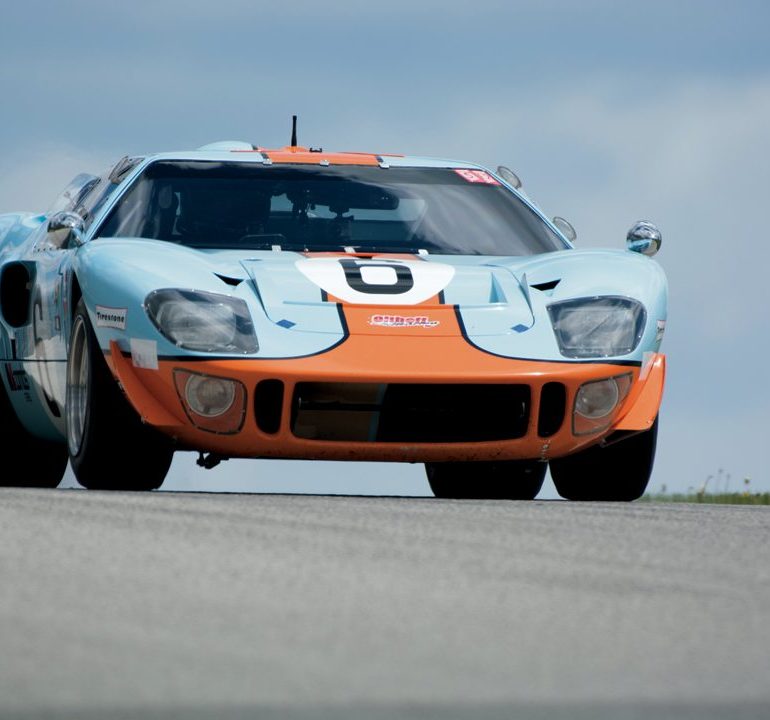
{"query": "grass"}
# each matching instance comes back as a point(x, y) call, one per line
point(734, 498)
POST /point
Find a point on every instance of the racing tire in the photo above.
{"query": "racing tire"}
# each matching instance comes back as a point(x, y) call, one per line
point(37, 463)
point(616, 473)
point(110, 448)
point(507, 480)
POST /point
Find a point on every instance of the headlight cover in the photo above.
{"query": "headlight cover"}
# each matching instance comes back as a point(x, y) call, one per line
point(597, 327)
point(597, 402)
point(203, 321)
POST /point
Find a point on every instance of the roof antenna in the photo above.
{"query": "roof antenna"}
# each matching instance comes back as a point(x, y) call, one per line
point(294, 131)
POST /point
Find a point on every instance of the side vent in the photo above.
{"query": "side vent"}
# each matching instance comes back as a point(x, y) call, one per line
point(122, 168)
point(15, 291)
point(268, 403)
point(553, 402)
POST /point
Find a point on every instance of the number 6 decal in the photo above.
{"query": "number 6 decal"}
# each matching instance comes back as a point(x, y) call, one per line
point(378, 281)
point(378, 278)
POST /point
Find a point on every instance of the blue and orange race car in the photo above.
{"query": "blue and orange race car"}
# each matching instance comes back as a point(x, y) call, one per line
point(294, 303)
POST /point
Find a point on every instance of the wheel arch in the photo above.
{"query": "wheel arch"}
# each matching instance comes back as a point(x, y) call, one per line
point(75, 294)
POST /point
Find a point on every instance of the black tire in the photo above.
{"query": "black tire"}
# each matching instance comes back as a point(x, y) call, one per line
point(507, 480)
point(28, 461)
point(110, 447)
point(618, 472)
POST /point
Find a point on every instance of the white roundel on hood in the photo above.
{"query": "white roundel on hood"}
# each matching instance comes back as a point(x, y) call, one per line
point(377, 281)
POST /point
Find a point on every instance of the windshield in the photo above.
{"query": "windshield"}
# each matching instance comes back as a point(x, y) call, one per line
point(309, 208)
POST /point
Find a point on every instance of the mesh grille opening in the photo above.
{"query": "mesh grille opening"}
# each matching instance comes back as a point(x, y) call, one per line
point(403, 412)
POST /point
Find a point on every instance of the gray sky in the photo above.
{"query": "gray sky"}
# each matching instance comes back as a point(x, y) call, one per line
point(610, 111)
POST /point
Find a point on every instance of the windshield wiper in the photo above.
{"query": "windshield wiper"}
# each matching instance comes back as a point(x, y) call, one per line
point(278, 243)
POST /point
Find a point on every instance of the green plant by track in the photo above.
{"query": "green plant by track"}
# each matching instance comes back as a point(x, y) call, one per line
point(701, 495)
point(711, 498)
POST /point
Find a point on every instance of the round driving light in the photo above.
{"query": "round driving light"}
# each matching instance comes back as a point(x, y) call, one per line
point(597, 399)
point(209, 396)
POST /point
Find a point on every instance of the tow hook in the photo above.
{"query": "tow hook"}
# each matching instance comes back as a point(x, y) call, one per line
point(210, 460)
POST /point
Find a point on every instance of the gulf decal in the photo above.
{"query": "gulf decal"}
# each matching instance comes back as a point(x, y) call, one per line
point(423, 321)
point(377, 281)
point(428, 320)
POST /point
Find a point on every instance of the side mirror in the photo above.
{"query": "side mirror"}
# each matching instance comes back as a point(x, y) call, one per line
point(644, 238)
point(509, 176)
point(66, 229)
point(565, 228)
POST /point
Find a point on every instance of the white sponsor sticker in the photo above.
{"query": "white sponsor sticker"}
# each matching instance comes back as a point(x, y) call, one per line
point(403, 321)
point(477, 176)
point(111, 317)
point(647, 363)
point(144, 354)
point(377, 281)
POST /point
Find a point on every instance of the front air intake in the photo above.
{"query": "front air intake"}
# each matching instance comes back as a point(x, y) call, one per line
point(553, 404)
point(409, 413)
point(268, 403)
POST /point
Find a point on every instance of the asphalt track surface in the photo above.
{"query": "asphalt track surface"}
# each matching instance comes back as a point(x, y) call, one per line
point(309, 607)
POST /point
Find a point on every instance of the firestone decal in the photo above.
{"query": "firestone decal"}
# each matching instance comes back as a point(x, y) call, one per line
point(377, 281)
point(110, 317)
point(403, 321)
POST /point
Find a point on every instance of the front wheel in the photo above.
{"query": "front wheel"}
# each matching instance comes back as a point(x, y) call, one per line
point(506, 480)
point(618, 472)
point(110, 447)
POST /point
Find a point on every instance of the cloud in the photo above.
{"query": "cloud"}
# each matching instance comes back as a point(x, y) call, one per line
point(33, 176)
point(602, 148)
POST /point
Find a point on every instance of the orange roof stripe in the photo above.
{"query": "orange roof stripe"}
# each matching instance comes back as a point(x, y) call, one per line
point(314, 158)
point(301, 155)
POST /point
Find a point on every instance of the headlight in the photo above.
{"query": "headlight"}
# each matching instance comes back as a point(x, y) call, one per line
point(597, 327)
point(213, 404)
point(597, 401)
point(209, 396)
point(202, 321)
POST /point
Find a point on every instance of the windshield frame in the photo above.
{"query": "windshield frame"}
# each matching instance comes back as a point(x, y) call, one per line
point(138, 173)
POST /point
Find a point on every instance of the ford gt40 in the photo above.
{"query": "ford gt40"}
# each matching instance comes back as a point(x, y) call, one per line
point(243, 302)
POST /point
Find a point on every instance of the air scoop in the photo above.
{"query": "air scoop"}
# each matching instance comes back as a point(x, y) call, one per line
point(289, 299)
point(491, 300)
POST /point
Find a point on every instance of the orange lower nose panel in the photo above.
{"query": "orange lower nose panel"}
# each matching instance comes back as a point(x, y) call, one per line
point(372, 361)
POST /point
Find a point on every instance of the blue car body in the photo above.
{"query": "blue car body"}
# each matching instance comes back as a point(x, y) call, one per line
point(307, 306)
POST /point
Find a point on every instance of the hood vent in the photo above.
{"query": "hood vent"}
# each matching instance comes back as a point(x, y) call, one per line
point(227, 280)
point(546, 286)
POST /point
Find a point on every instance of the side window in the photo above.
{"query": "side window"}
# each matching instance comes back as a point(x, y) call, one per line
point(93, 201)
point(74, 193)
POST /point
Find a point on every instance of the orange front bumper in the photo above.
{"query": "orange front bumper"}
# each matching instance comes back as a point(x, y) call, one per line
point(377, 359)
